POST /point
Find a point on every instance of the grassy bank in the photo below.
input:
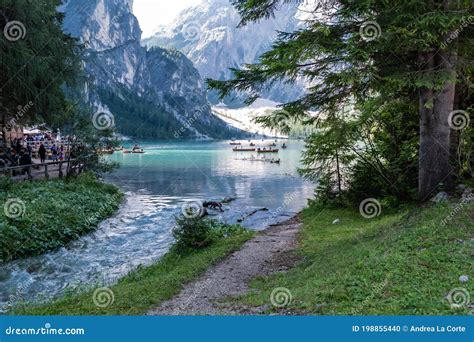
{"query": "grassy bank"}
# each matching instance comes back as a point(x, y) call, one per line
point(146, 287)
point(398, 264)
point(40, 216)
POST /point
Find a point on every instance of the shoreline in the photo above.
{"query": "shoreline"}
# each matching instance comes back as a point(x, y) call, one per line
point(44, 215)
point(316, 264)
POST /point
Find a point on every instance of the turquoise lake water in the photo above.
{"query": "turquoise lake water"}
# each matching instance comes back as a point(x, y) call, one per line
point(158, 184)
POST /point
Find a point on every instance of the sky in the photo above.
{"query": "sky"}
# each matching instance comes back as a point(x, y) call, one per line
point(152, 13)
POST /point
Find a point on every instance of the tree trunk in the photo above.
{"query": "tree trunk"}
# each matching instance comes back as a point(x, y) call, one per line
point(435, 171)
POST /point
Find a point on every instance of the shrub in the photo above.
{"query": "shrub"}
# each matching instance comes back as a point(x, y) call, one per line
point(196, 233)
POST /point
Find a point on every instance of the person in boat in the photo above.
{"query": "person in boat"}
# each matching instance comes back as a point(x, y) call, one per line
point(284, 145)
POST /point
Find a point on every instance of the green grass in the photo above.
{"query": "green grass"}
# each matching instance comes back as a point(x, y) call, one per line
point(146, 287)
point(40, 216)
point(398, 264)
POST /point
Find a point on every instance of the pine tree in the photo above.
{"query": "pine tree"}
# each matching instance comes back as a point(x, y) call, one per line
point(37, 60)
point(354, 51)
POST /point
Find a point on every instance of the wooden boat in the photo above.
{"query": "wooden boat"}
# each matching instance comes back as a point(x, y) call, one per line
point(243, 149)
point(138, 150)
point(126, 151)
point(235, 143)
point(272, 145)
point(252, 144)
point(267, 150)
point(284, 146)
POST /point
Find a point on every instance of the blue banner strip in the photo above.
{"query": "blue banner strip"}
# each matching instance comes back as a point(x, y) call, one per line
point(245, 329)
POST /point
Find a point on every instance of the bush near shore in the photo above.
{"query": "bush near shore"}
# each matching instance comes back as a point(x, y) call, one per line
point(40, 216)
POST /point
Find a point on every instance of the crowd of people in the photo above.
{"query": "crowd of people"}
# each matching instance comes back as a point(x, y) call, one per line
point(22, 151)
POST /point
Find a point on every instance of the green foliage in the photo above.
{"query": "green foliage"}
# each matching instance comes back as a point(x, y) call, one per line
point(196, 233)
point(363, 103)
point(131, 111)
point(401, 263)
point(54, 213)
point(37, 62)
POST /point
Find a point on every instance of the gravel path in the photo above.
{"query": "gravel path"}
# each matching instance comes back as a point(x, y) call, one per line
point(268, 252)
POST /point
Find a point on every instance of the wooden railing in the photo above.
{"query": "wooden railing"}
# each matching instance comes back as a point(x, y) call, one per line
point(10, 170)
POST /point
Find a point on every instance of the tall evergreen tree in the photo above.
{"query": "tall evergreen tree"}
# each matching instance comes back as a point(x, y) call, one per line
point(352, 51)
point(37, 60)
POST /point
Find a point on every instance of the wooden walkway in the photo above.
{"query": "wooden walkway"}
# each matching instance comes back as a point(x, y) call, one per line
point(48, 170)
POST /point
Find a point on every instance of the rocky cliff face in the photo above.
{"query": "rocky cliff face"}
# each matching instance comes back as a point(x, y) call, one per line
point(208, 35)
point(155, 93)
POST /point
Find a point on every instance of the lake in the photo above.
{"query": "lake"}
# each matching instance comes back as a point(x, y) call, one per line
point(158, 184)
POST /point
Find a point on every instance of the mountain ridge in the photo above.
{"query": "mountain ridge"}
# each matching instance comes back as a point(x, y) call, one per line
point(207, 34)
point(150, 92)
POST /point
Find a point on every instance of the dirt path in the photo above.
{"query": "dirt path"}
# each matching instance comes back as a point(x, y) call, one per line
point(268, 252)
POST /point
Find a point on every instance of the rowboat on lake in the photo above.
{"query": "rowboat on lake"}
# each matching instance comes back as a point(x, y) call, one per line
point(243, 149)
point(267, 150)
